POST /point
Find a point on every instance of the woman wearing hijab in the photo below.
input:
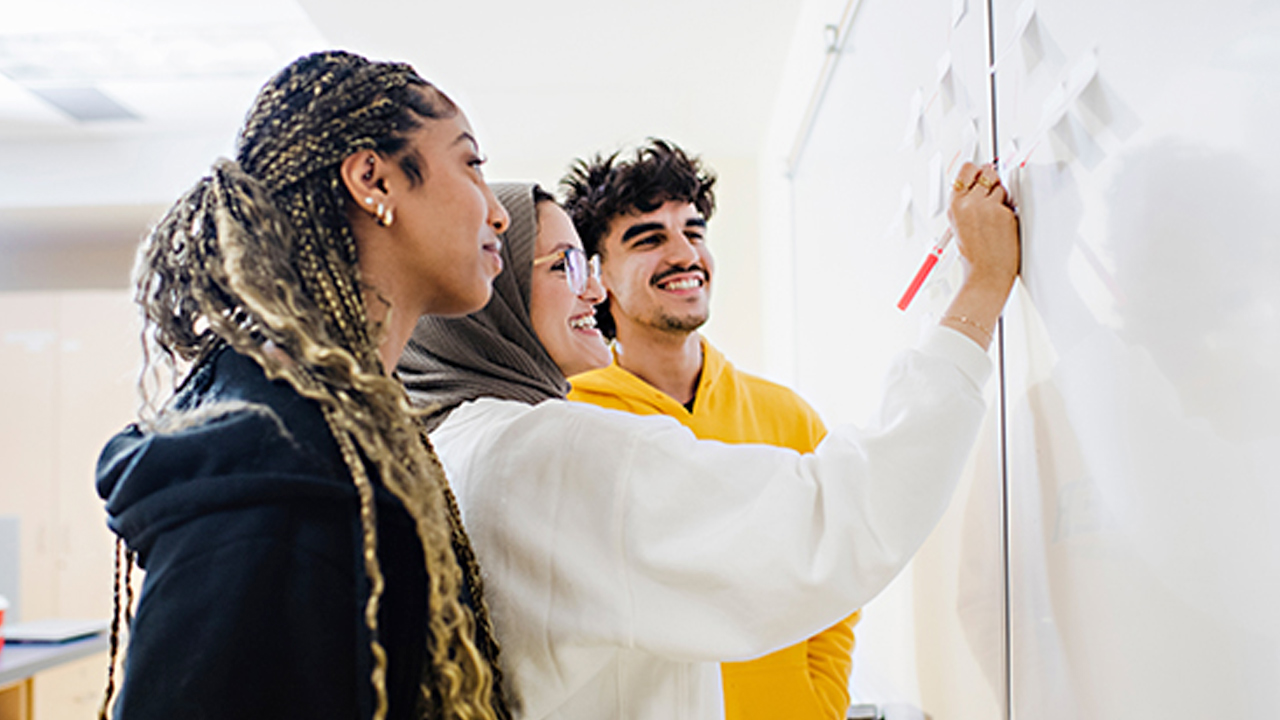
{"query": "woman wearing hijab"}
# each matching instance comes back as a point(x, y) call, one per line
point(624, 558)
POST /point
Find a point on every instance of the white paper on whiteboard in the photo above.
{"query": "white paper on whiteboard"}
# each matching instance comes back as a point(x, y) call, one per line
point(1053, 107)
point(946, 83)
point(903, 225)
point(914, 135)
point(969, 141)
point(1100, 106)
point(906, 211)
point(1012, 158)
point(1081, 74)
point(1032, 45)
point(958, 9)
point(1072, 141)
point(936, 181)
point(1021, 20)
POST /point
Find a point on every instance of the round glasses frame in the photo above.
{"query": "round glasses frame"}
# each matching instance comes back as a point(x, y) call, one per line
point(578, 269)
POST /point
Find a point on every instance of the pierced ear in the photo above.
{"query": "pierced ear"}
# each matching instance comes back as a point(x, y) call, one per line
point(365, 175)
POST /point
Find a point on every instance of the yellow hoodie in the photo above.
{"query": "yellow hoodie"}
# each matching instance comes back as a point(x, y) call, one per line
point(809, 680)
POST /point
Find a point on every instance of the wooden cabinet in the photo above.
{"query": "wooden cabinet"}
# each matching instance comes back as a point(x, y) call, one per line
point(68, 372)
point(15, 700)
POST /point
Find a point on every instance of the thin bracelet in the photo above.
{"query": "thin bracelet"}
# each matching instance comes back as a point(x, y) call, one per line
point(964, 320)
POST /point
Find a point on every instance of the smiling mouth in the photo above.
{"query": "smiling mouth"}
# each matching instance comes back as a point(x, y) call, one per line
point(685, 284)
point(585, 321)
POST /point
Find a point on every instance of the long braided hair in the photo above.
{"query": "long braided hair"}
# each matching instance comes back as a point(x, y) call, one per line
point(260, 256)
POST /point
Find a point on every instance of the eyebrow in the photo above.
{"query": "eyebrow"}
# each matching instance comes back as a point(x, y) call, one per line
point(640, 229)
point(468, 136)
point(643, 228)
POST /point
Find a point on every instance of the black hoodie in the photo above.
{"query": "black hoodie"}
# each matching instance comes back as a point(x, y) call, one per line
point(253, 601)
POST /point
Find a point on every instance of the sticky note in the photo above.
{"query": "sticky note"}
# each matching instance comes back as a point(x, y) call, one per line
point(1081, 74)
point(1025, 39)
point(906, 211)
point(1100, 106)
point(969, 141)
point(937, 180)
point(946, 83)
point(914, 135)
point(903, 225)
point(1054, 105)
point(1012, 159)
point(1022, 18)
point(1072, 141)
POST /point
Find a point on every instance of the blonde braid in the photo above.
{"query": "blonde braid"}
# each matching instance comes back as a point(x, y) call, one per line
point(113, 654)
point(369, 535)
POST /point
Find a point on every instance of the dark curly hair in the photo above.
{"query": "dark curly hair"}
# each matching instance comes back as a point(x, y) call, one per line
point(602, 188)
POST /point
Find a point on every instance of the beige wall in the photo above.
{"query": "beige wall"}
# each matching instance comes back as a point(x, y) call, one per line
point(98, 266)
point(68, 365)
point(734, 238)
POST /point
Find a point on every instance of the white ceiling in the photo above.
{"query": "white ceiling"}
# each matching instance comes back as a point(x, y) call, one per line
point(541, 82)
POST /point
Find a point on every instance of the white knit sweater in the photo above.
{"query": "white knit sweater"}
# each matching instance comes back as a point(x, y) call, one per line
point(624, 558)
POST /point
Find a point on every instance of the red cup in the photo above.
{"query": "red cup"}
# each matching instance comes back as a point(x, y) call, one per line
point(4, 605)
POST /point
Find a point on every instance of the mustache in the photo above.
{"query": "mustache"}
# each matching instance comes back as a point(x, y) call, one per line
point(696, 267)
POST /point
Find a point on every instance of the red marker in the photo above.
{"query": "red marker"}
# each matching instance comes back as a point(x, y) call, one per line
point(925, 269)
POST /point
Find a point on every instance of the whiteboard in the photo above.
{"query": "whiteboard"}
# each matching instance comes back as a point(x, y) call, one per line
point(1143, 357)
point(1141, 350)
point(906, 104)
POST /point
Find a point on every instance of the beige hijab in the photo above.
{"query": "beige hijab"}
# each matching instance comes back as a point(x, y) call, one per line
point(493, 352)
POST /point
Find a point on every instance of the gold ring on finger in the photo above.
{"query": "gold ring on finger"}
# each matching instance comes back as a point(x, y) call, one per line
point(986, 182)
point(959, 185)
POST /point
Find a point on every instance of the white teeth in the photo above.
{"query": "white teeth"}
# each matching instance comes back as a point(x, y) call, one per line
point(684, 284)
point(584, 322)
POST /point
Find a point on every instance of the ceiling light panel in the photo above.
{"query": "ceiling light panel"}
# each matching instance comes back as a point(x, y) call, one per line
point(166, 62)
point(173, 53)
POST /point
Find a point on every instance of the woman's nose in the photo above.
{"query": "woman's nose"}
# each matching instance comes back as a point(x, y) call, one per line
point(499, 220)
point(594, 290)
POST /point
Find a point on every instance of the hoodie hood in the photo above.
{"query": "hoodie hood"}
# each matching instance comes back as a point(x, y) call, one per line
point(155, 481)
point(628, 392)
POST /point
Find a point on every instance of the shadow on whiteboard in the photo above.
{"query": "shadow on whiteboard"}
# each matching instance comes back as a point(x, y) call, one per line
point(1144, 561)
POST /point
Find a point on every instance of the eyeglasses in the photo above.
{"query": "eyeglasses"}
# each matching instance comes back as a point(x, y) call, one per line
point(577, 268)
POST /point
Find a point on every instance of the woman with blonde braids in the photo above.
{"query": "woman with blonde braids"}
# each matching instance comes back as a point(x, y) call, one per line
point(302, 549)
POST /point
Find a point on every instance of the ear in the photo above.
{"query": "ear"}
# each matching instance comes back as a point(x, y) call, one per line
point(366, 175)
point(605, 276)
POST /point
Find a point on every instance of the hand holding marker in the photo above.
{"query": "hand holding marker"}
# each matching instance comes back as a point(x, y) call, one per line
point(940, 247)
point(926, 267)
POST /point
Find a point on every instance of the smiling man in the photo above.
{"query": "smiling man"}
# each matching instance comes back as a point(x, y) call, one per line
point(646, 216)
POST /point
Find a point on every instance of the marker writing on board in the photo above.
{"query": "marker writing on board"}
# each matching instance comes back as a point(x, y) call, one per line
point(925, 268)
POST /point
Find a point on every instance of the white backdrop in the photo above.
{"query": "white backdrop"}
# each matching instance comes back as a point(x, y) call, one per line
point(1143, 356)
point(1140, 350)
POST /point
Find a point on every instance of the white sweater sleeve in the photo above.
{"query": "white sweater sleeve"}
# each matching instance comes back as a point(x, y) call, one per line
point(601, 528)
